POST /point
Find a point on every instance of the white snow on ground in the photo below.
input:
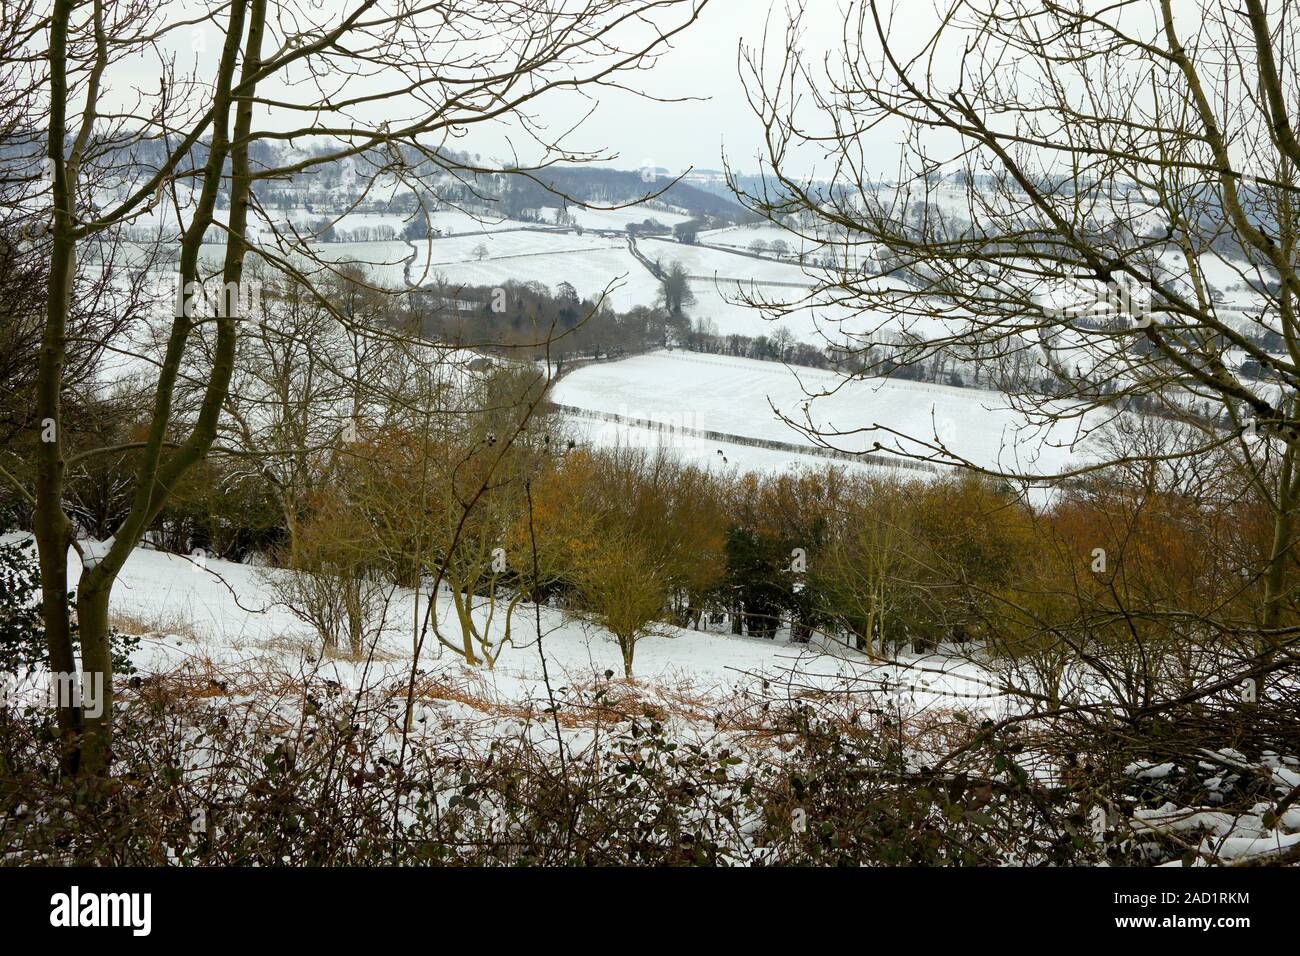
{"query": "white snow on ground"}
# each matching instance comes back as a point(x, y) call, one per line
point(224, 610)
point(719, 457)
point(723, 283)
point(738, 396)
point(223, 615)
point(705, 261)
point(753, 296)
point(743, 236)
point(327, 209)
point(1228, 837)
point(616, 218)
point(589, 270)
point(219, 616)
point(497, 245)
point(491, 252)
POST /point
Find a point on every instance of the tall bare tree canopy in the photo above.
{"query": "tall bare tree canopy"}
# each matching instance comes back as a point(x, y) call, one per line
point(379, 87)
point(1097, 204)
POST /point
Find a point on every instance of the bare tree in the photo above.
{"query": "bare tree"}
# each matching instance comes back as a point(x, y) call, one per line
point(1097, 206)
point(433, 70)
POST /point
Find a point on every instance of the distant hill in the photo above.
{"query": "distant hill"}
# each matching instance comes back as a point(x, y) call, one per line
point(609, 187)
point(511, 195)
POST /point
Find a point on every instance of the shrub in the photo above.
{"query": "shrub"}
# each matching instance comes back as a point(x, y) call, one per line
point(22, 633)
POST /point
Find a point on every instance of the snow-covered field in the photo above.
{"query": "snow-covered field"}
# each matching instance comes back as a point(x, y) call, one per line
point(616, 218)
point(606, 264)
point(499, 245)
point(740, 396)
point(488, 251)
point(705, 261)
point(711, 454)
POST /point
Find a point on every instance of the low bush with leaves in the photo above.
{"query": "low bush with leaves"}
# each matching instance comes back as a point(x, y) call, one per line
point(22, 633)
point(317, 775)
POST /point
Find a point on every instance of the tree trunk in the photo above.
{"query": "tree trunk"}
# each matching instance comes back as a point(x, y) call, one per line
point(52, 528)
point(97, 672)
point(157, 477)
point(465, 619)
point(52, 535)
point(1275, 573)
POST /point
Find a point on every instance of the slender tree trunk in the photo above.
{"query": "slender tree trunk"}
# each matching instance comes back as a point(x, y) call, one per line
point(52, 528)
point(466, 621)
point(156, 476)
point(96, 667)
point(1275, 586)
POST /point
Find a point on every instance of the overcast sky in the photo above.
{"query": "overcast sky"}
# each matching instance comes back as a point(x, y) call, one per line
point(707, 109)
point(703, 66)
point(700, 72)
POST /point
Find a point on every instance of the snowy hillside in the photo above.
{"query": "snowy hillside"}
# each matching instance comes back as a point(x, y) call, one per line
point(743, 397)
point(224, 614)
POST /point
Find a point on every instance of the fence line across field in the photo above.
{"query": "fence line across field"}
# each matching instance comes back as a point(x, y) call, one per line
point(869, 458)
